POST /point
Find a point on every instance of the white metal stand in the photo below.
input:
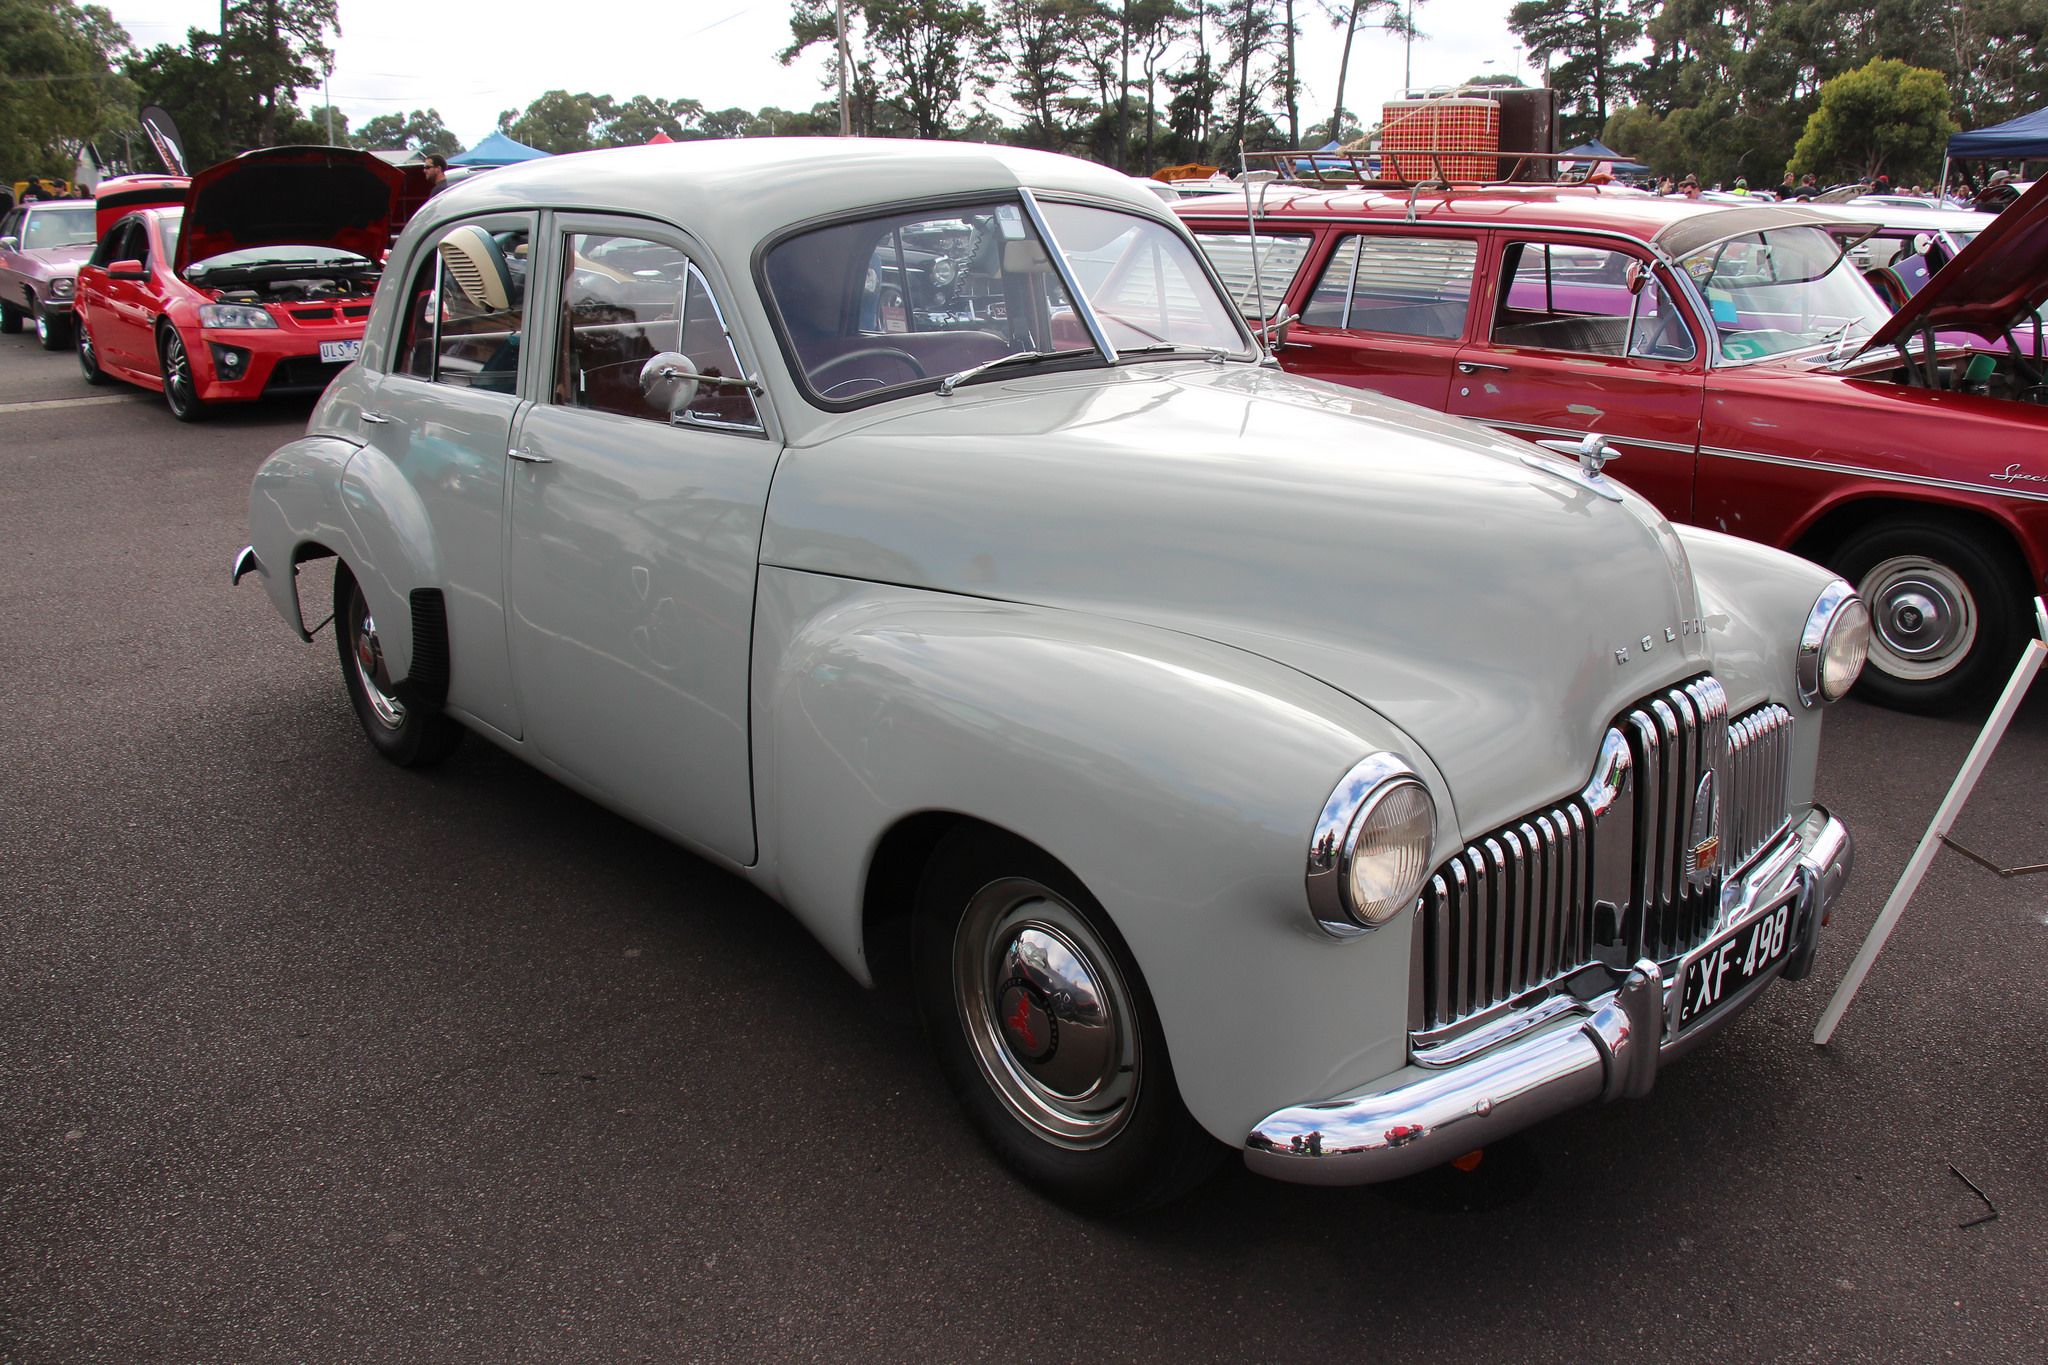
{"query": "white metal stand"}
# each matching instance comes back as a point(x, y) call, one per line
point(1937, 832)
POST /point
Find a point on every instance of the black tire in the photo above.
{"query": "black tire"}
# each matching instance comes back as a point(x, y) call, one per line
point(53, 330)
point(10, 318)
point(407, 731)
point(88, 355)
point(1960, 653)
point(1129, 1143)
point(181, 386)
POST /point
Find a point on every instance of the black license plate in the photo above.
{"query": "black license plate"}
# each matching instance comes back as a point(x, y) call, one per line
point(1724, 967)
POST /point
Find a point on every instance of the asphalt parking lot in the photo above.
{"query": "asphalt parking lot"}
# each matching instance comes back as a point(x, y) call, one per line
point(306, 1058)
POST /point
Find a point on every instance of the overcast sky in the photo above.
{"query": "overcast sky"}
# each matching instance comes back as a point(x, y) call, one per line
point(472, 60)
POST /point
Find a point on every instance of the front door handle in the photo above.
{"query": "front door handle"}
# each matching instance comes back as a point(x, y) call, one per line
point(528, 457)
point(1474, 367)
point(377, 417)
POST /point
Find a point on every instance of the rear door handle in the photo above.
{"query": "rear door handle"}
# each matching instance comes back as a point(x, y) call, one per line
point(1474, 367)
point(528, 457)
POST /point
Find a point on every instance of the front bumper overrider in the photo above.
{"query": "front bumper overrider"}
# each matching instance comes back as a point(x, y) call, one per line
point(1605, 1048)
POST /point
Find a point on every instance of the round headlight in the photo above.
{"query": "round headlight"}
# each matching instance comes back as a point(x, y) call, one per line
point(1369, 855)
point(1833, 645)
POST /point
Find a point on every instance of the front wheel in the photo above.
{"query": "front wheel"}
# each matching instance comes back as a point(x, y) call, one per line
point(181, 386)
point(53, 330)
point(1948, 613)
point(408, 733)
point(1045, 1031)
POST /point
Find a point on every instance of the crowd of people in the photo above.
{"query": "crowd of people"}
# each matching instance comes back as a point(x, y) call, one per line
point(1999, 191)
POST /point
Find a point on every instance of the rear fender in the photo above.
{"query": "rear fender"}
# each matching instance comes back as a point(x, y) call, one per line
point(1178, 779)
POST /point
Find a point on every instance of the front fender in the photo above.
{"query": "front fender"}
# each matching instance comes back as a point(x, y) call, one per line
point(1177, 778)
point(399, 549)
point(1754, 601)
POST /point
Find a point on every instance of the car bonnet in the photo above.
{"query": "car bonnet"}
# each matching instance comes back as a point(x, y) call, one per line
point(290, 196)
point(1991, 286)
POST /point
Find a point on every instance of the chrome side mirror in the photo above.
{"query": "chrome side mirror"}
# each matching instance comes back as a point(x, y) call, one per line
point(668, 381)
point(10, 244)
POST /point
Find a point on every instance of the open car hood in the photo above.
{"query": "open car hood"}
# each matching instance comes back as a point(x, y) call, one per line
point(290, 196)
point(1991, 286)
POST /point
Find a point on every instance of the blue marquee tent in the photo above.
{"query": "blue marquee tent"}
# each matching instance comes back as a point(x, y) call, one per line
point(2024, 136)
point(497, 150)
point(1596, 150)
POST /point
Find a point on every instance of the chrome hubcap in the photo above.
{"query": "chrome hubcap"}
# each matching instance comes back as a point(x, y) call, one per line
point(1924, 617)
point(1047, 1012)
point(370, 666)
point(42, 326)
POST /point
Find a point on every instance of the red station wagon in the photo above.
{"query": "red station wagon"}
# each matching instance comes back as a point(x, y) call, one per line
point(1745, 375)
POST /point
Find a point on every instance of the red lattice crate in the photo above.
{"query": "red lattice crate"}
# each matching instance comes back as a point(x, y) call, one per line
point(1444, 125)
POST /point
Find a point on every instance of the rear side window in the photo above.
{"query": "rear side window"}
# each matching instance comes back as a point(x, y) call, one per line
point(1401, 286)
point(1279, 258)
point(465, 309)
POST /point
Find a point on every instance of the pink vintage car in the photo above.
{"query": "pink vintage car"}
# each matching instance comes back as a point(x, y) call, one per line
point(41, 246)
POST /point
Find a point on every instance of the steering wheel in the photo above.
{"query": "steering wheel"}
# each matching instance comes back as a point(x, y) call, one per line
point(865, 353)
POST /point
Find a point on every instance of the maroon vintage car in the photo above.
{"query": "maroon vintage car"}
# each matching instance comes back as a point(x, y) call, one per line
point(1746, 377)
point(41, 245)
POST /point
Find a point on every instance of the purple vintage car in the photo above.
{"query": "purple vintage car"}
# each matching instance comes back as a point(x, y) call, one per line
point(41, 246)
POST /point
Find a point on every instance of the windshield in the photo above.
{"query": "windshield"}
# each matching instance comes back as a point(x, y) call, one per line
point(57, 227)
point(1783, 290)
point(293, 257)
point(171, 223)
point(902, 301)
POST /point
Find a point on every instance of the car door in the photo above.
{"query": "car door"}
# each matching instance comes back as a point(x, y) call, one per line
point(123, 328)
point(1388, 312)
point(12, 264)
point(444, 413)
point(636, 525)
point(1586, 336)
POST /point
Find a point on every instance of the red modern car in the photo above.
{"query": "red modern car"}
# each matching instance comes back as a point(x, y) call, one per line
point(1747, 378)
point(258, 284)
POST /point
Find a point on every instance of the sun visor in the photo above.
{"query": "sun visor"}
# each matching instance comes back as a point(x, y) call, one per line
point(123, 194)
point(1993, 285)
point(290, 196)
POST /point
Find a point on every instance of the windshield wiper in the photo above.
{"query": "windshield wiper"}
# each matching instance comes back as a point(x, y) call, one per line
point(1214, 354)
point(959, 377)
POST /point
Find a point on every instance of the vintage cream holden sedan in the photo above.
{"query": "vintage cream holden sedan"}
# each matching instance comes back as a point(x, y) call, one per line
point(1217, 758)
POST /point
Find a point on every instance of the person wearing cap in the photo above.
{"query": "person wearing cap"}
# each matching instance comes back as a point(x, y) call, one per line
point(1998, 195)
point(1742, 186)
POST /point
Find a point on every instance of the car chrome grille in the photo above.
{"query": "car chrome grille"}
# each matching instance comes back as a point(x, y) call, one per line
point(1629, 867)
point(1759, 768)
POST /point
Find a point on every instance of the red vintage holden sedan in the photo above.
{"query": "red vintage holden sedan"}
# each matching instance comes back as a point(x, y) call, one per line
point(1743, 374)
point(259, 283)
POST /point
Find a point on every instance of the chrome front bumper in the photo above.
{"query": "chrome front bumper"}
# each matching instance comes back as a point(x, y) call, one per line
point(1604, 1048)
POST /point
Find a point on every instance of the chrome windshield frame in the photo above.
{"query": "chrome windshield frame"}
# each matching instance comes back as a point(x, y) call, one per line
point(1082, 309)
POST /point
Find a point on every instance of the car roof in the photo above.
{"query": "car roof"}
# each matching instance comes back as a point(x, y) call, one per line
point(734, 192)
point(1552, 206)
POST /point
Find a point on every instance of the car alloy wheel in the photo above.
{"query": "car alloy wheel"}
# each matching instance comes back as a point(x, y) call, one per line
point(88, 357)
point(181, 390)
point(367, 652)
point(1923, 617)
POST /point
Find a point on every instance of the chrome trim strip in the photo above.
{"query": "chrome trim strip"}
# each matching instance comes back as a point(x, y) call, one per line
point(1645, 443)
point(1611, 1047)
point(1082, 307)
point(1826, 466)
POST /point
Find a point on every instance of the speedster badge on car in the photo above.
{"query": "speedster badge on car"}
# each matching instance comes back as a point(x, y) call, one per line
point(1218, 759)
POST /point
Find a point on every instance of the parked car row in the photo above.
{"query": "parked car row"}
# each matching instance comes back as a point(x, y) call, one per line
point(1215, 758)
point(1743, 373)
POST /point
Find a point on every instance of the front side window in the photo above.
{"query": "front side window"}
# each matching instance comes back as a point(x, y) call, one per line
point(57, 227)
point(465, 309)
point(1781, 290)
point(1584, 300)
point(641, 336)
point(1402, 286)
point(901, 301)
